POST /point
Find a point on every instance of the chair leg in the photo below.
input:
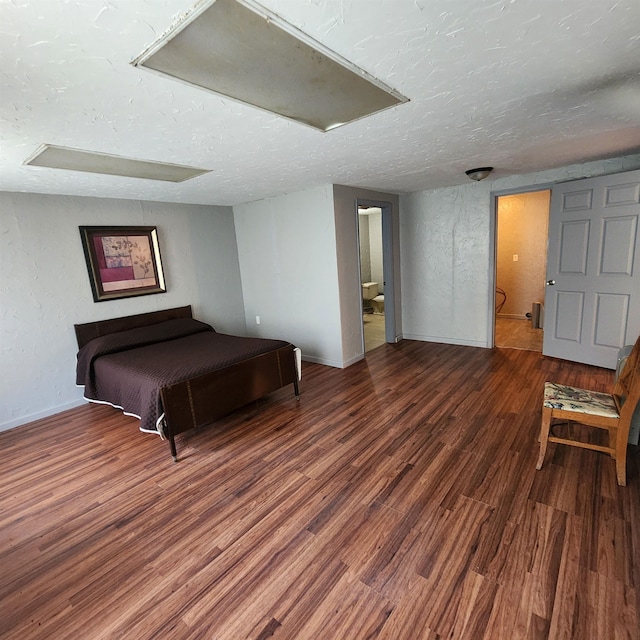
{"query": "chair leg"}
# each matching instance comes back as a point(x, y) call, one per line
point(545, 425)
point(621, 458)
point(613, 440)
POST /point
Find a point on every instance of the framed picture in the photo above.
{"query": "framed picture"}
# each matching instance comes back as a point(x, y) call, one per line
point(122, 261)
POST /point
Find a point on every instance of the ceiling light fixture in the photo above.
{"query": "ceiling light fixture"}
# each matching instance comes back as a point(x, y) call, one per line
point(54, 157)
point(239, 50)
point(479, 174)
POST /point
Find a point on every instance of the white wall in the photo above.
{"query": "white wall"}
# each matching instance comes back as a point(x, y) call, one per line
point(287, 253)
point(446, 252)
point(44, 287)
point(370, 232)
point(299, 265)
point(375, 249)
point(365, 249)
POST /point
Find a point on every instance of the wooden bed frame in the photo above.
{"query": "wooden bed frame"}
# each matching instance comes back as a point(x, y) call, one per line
point(201, 400)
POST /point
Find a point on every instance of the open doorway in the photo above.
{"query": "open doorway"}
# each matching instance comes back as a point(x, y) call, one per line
point(372, 276)
point(521, 259)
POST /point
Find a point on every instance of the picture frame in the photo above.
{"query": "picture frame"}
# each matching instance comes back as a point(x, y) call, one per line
point(122, 261)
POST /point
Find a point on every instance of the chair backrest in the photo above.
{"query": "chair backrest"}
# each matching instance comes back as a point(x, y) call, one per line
point(626, 392)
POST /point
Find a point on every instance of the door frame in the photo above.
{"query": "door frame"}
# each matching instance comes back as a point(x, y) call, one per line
point(493, 249)
point(387, 267)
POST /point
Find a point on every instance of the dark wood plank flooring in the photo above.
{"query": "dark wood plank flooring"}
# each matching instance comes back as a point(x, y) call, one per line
point(397, 500)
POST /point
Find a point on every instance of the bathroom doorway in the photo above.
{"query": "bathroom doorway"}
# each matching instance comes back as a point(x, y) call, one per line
point(372, 275)
point(522, 221)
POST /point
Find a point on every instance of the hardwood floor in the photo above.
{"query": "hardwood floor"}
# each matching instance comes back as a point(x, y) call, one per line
point(373, 324)
point(397, 500)
point(517, 334)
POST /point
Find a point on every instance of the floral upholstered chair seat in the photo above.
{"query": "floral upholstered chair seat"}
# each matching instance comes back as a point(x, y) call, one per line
point(559, 396)
point(611, 412)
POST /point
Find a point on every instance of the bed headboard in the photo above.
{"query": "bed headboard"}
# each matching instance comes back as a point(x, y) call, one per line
point(91, 330)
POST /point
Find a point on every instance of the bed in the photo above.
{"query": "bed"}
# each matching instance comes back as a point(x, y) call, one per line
point(176, 373)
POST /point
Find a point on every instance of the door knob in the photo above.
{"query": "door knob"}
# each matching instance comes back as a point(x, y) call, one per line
point(551, 282)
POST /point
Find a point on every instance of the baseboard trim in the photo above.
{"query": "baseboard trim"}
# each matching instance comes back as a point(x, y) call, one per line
point(328, 363)
point(444, 340)
point(32, 417)
point(353, 360)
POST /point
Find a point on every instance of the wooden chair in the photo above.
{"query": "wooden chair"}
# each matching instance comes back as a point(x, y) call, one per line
point(612, 412)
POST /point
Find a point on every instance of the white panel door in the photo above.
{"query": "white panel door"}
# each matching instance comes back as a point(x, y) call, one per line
point(592, 298)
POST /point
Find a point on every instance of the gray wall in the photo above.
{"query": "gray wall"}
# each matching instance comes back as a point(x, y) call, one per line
point(44, 287)
point(446, 248)
point(346, 221)
point(293, 260)
point(287, 252)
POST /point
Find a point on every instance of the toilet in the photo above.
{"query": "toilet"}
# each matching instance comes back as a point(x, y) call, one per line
point(372, 298)
point(378, 303)
point(369, 290)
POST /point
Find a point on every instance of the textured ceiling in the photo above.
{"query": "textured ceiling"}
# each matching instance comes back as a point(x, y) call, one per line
point(521, 85)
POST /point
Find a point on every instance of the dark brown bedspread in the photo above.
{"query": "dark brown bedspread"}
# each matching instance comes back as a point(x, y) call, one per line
point(128, 369)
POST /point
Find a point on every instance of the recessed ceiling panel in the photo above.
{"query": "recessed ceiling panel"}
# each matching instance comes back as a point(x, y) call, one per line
point(239, 51)
point(56, 157)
